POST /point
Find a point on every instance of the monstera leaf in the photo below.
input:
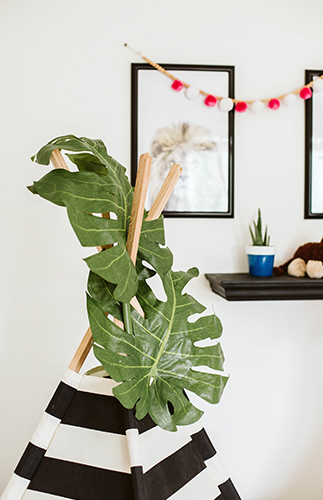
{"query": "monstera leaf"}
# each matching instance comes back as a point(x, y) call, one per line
point(157, 362)
point(101, 186)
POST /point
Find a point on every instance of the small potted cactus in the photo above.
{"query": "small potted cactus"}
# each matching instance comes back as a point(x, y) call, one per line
point(260, 254)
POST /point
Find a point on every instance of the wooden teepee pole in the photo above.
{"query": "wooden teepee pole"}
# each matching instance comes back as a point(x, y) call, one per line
point(165, 192)
point(134, 229)
point(81, 352)
point(138, 205)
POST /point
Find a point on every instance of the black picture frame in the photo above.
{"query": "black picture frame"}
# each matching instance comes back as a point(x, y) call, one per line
point(149, 105)
point(313, 206)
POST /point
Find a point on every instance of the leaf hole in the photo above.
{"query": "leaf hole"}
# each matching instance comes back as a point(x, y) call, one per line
point(206, 342)
point(193, 317)
point(170, 407)
point(156, 285)
point(207, 369)
point(146, 264)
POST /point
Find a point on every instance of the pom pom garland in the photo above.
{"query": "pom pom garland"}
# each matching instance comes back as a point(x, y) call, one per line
point(241, 107)
point(289, 99)
point(227, 103)
point(177, 85)
point(192, 92)
point(210, 100)
point(305, 93)
point(274, 104)
point(257, 106)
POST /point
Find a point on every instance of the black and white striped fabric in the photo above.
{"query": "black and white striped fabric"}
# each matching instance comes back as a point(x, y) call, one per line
point(88, 447)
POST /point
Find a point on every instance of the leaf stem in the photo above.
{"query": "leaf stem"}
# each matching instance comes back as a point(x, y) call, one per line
point(126, 309)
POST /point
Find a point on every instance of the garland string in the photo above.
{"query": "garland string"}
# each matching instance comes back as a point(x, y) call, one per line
point(235, 101)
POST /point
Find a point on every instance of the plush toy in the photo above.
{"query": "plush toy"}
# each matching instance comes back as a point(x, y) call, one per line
point(308, 259)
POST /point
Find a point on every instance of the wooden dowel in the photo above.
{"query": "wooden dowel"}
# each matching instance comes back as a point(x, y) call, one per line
point(137, 213)
point(138, 205)
point(165, 192)
point(82, 352)
point(135, 304)
point(118, 323)
point(57, 160)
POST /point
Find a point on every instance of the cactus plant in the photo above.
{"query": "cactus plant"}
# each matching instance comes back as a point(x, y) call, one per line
point(257, 238)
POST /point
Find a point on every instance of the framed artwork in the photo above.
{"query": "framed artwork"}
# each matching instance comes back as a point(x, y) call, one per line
point(314, 151)
point(176, 129)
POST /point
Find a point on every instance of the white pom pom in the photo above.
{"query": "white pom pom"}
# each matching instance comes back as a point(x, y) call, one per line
point(314, 269)
point(297, 268)
point(192, 92)
point(225, 104)
point(317, 83)
point(257, 106)
point(289, 99)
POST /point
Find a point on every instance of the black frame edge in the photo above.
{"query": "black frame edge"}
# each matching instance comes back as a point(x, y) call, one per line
point(135, 67)
point(308, 214)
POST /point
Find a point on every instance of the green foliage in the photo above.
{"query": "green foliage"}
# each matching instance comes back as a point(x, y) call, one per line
point(158, 360)
point(257, 238)
point(101, 186)
point(157, 357)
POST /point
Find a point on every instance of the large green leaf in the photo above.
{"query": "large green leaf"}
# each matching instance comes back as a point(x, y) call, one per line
point(92, 154)
point(84, 192)
point(102, 186)
point(157, 362)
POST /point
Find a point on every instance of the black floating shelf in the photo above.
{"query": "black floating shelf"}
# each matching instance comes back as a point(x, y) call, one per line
point(242, 286)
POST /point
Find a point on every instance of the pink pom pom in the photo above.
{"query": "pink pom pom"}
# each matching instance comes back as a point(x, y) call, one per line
point(241, 107)
point(305, 93)
point(210, 100)
point(274, 104)
point(177, 85)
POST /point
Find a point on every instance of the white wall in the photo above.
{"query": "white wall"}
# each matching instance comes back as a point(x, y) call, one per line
point(64, 69)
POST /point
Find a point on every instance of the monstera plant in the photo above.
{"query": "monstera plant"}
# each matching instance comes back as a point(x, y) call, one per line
point(158, 358)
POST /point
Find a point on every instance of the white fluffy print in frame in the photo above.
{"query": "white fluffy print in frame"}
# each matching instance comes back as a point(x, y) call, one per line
point(178, 127)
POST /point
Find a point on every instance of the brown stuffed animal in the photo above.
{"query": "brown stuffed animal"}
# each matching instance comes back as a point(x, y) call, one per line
point(308, 259)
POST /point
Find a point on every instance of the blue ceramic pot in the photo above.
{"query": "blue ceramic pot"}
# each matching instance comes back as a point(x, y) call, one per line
point(261, 260)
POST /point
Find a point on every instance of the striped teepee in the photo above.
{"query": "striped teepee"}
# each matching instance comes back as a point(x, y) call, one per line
point(88, 447)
